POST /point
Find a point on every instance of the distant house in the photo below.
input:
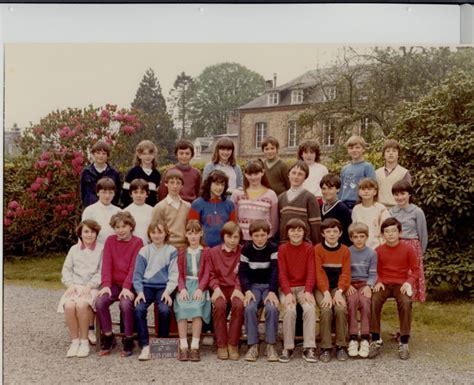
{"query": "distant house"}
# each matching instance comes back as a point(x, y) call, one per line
point(10, 137)
point(204, 146)
point(276, 112)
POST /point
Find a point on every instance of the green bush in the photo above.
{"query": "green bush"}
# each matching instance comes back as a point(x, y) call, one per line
point(437, 134)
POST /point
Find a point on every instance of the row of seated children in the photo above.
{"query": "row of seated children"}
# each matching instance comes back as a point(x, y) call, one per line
point(133, 274)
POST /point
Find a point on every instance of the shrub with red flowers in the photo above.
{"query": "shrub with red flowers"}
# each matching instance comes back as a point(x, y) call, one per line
point(41, 197)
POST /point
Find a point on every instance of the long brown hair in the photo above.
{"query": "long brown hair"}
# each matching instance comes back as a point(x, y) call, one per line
point(225, 143)
point(254, 167)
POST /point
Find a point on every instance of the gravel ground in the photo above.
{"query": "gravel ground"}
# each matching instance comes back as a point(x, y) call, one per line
point(36, 341)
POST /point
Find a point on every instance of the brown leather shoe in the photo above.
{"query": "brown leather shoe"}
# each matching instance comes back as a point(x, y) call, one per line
point(194, 355)
point(183, 354)
point(222, 353)
point(233, 352)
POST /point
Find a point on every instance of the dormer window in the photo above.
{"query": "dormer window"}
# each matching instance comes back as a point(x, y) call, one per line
point(273, 98)
point(329, 93)
point(296, 96)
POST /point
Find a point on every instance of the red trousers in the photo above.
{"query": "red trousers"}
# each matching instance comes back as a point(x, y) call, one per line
point(220, 311)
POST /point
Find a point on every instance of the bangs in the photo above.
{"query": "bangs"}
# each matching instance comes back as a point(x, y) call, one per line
point(253, 167)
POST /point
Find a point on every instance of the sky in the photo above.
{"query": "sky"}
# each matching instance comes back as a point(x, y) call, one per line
point(42, 77)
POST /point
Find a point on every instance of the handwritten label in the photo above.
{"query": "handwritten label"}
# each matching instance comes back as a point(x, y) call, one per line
point(164, 347)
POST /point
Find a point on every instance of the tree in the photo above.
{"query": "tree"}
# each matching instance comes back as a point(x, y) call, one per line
point(42, 203)
point(157, 124)
point(180, 98)
point(220, 90)
point(371, 86)
point(437, 135)
point(149, 98)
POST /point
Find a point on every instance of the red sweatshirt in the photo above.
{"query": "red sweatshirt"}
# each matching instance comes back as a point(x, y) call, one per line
point(296, 266)
point(333, 267)
point(203, 275)
point(394, 264)
point(118, 261)
point(223, 267)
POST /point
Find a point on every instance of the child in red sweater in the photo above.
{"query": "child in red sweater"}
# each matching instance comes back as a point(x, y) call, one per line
point(227, 295)
point(333, 278)
point(118, 263)
point(296, 277)
point(397, 272)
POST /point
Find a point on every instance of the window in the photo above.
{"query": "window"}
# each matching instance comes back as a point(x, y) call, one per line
point(329, 93)
point(329, 132)
point(260, 133)
point(197, 149)
point(296, 96)
point(292, 134)
point(273, 98)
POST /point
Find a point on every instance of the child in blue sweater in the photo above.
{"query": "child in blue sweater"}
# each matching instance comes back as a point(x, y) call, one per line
point(155, 278)
point(359, 294)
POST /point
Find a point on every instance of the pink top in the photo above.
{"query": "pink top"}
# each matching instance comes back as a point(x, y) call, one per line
point(118, 261)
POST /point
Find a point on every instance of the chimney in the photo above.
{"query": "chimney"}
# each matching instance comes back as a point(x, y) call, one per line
point(274, 80)
point(268, 84)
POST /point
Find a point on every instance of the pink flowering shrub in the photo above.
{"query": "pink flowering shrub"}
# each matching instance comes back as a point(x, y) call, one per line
point(41, 198)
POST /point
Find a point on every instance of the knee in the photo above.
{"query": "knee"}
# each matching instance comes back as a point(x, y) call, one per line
point(163, 309)
point(404, 301)
point(237, 304)
point(140, 309)
point(270, 310)
point(251, 309)
point(126, 304)
point(220, 305)
point(340, 310)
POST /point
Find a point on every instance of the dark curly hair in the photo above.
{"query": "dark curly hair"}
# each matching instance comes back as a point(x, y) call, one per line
point(215, 176)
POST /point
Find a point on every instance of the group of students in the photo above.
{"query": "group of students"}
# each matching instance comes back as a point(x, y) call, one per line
point(273, 236)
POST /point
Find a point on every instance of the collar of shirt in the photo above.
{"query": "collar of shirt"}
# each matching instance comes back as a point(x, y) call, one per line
point(100, 170)
point(92, 248)
point(173, 202)
point(226, 249)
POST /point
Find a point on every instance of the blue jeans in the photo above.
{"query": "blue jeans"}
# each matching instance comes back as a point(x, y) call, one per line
point(260, 291)
point(141, 310)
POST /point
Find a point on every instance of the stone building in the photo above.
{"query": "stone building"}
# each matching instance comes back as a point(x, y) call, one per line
point(276, 112)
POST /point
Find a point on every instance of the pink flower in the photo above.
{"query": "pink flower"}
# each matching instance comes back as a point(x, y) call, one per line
point(71, 134)
point(77, 154)
point(58, 163)
point(64, 132)
point(33, 196)
point(7, 222)
point(49, 176)
point(42, 204)
point(35, 187)
point(13, 205)
point(70, 207)
point(130, 118)
point(41, 164)
point(11, 214)
point(58, 208)
point(39, 180)
point(105, 114)
point(64, 213)
point(45, 156)
point(20, 212)
point(108, 141)
point(129, 130)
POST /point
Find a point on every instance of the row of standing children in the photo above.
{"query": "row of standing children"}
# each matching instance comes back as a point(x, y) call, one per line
point(256, 184)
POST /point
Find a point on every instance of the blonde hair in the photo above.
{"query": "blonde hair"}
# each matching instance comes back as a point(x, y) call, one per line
point(368, 183)
point(141, 148)
point(358, 227)
point(355, 139)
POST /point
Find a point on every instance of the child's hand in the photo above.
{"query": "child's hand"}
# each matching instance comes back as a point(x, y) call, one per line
point(198, 295)
point(379, 286)
point(351, 290)
point(272, 298)
point(183, 295)
point(216, 294)
point(339, 298)
point(327, 300)
point(166, 298)
point(249, 296)
point(125, 293)
point(71, 290)
point(289, 300)
point(309, 298)
point(140, 297)
point(367, 292)
point(105, 290)
point(406, 289)
point(237, 293)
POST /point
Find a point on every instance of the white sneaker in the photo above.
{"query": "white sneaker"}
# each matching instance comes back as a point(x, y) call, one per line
point(208, 340)
point(73, 349)
point(364, 349)
point(145, 353)
point(91, 337)
point(84, 349)
point(353, 349)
